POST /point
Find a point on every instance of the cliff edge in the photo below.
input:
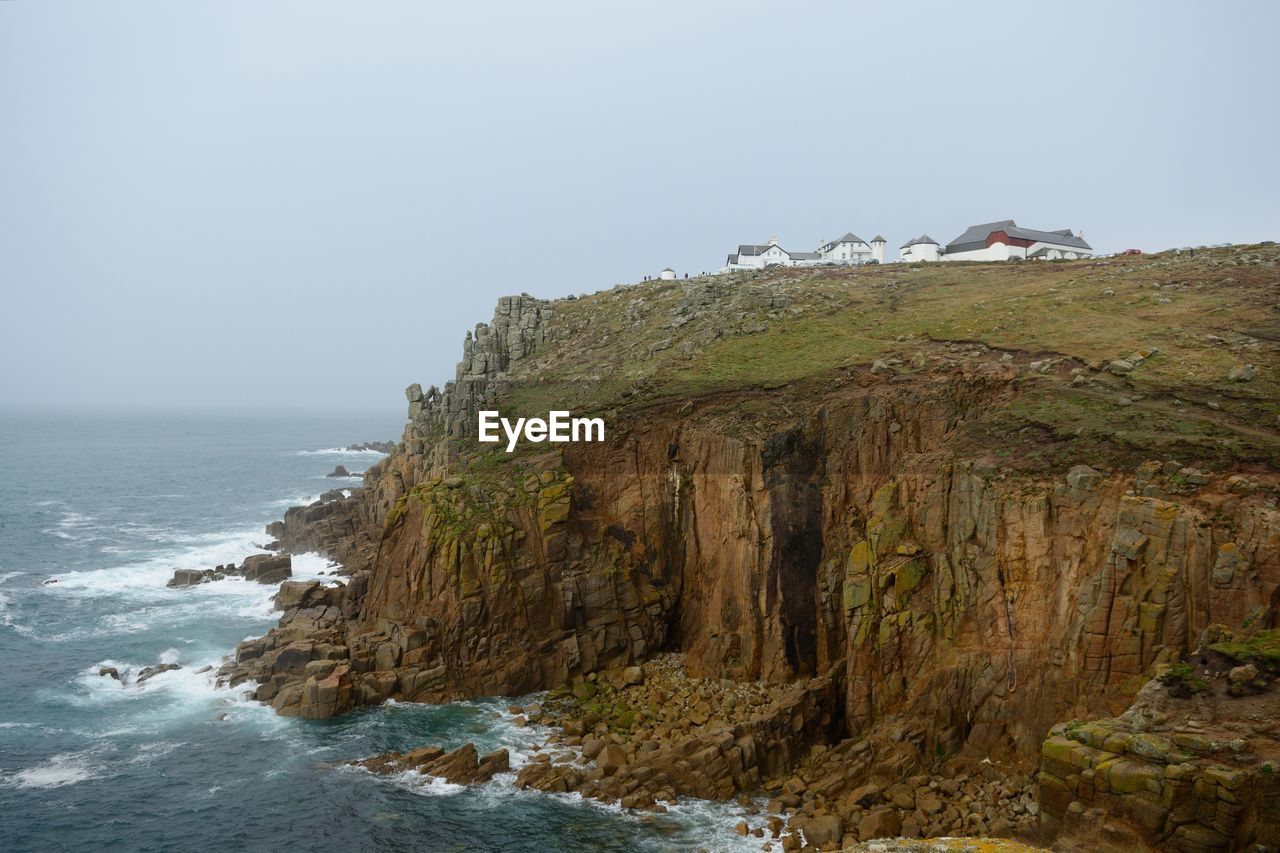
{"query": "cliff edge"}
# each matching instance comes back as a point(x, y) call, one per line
point(944, 509)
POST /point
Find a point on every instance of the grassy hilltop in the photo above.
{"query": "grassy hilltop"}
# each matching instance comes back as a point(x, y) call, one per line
point(763, 345)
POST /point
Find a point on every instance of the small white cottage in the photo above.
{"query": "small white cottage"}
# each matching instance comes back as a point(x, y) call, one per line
point(922, 248)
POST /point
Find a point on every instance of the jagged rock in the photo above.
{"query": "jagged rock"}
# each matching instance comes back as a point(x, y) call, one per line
point(822, 830)
point(190, 577)
point(339, 471)
point(463, 766)
point(295, 594)
point(109, 672)
point(1083, 478)
point(879, 822)
point(267, 568)
point(610, 759)
point(149, 672)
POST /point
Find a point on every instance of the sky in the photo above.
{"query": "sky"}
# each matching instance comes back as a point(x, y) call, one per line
point(243, 205)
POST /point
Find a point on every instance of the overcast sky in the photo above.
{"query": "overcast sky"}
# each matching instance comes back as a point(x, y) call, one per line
point(241, 204)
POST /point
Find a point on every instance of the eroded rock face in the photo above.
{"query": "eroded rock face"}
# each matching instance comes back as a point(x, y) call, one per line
point(988, 606)
point(857, 540)
point(1192, 765)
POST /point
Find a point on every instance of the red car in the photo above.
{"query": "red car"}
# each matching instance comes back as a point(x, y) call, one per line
point(1132, 252)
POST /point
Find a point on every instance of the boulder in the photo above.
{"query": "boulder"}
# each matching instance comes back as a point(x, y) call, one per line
point(880, 822)
point(820, 831)
point(1120, 367)
point(109, 672)
point(610, 759)
point(1241, 373)
point(190, 577)
point(296, 594)
point(267, 568)
point(1245, 674)
point(339, 471)
point(1083, 478)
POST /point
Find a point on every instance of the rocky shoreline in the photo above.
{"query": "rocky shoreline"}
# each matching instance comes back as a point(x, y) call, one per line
point(648, 734)
point(914, 593)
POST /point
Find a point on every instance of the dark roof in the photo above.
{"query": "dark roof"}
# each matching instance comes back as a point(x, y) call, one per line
point(923, 238)
point(847, 238)
point(975, 237)
point(733, 259)
point(757, 249)
point(878, 239)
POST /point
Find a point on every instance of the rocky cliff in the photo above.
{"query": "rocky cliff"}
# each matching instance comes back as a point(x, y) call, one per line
point(959, 505)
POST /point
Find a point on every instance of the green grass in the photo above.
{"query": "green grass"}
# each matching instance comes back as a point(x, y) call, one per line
point(755, 347)
point(1261, 648)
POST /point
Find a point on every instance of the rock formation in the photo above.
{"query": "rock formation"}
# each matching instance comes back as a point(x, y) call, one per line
point(262, 568)
point(937, 559)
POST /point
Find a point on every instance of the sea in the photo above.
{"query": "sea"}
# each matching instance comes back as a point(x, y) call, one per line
point(95, 515)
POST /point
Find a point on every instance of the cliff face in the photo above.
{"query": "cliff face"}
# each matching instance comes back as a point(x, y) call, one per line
point(849, 540)
point(875, 529)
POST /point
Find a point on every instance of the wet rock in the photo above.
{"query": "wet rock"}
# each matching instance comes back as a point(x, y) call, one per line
point(267, 568)
point(191, 577)
point(339, 471)
point(109, 672)
point(149, 672)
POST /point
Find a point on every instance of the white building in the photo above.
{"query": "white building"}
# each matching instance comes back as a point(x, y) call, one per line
point(1000, 241)
point(849, 249)
point(922, 248)
point(852, 249)
point(754, 256)
point(667, 274)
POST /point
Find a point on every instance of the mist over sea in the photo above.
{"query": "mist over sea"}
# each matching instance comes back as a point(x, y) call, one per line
point(110, 508)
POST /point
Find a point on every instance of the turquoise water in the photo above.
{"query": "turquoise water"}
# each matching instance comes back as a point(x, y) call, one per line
point(109, 508)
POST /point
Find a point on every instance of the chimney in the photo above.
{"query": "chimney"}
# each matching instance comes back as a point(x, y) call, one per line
point(773, 241)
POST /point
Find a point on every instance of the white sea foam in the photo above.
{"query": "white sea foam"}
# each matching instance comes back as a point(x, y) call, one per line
point(72, 525)
point(148, 578)
point(166, 700)
point(66, 769)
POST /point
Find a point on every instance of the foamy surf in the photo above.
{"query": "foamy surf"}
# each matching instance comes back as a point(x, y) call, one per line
point(65, 769)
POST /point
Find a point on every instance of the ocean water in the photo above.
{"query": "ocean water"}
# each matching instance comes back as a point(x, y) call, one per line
point(109, 508)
